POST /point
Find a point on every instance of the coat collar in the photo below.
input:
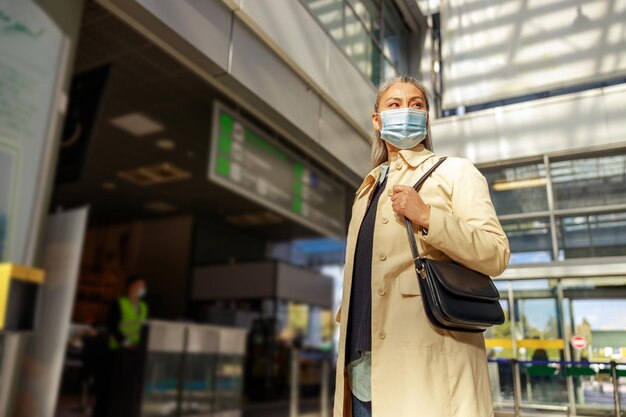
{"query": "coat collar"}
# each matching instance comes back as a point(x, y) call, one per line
point(413, 157)
point(416, 156)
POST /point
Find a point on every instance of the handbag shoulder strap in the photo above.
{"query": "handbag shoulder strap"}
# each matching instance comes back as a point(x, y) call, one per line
point(409, 225)
point(424, 177)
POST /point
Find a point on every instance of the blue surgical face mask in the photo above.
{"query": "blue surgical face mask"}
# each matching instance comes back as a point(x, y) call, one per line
point(403, 128)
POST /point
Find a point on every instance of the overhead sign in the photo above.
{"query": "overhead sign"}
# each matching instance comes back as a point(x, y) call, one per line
point(578, 342)
point(251, 163)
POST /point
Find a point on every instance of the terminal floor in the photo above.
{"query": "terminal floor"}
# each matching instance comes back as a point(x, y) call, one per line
point(69, 406)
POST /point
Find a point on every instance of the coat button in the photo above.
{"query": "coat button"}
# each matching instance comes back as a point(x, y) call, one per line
point(382, 335)
point(384, 220)
point(398, 165)
point(382, 257)
point(390, 192)
point(381, 291)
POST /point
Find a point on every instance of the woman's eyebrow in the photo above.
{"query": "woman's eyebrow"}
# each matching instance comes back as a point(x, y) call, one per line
point(410, 99)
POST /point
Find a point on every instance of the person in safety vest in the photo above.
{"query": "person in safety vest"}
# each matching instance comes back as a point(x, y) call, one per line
point(119, 382)
point(127, 315)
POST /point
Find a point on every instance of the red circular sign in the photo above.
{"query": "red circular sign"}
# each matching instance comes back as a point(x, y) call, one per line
point(579, 342)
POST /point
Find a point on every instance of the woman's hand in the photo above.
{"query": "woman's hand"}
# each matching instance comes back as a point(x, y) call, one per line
point(407, 202)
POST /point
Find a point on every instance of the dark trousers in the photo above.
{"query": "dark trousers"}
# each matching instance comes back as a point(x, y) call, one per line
point(361, 409)
point(119, 392)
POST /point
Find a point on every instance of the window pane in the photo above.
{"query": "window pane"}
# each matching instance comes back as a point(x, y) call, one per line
point(530, 240)
point(357, 42)
point(589, 182)
point(369, 12)
point(395, 37)
point(587, 236)
point(598, 311)
point(537, 327)
point(389, 70)
point(351, 31)
point(330, 15)
point(376, 59)
point(498, 339)
point(599, 316)
point(428, 7)
point(519, 189)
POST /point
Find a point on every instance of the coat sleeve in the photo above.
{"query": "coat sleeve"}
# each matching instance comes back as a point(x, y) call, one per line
point(471, 235)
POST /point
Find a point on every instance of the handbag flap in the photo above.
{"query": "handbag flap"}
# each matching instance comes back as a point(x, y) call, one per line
point(464, 282)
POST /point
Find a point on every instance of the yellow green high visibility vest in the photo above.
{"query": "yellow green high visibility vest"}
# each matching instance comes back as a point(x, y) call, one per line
point(131, 322)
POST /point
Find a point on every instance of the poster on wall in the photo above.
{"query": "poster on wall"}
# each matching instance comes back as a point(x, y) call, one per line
point(31, 51)
point(29, 46)
point(8, 180)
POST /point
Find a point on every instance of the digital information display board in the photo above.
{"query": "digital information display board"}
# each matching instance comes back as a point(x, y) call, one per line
point(251, 163)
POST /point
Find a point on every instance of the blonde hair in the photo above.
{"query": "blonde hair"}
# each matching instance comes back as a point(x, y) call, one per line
point(379, 150)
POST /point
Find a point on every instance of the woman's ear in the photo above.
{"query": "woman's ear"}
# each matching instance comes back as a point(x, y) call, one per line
point(376, 124)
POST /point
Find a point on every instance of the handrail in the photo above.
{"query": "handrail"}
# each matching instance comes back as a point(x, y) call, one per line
point(516, 368)
point(536, 362)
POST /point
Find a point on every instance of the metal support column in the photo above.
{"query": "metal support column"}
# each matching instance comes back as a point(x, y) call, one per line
point(517, 389)
point(294, 383)
point(616, 399)
point(517, 380)
point(325, 385)
point(571, 394)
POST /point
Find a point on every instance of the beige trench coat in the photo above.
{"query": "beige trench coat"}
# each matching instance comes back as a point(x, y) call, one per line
point(417, 369)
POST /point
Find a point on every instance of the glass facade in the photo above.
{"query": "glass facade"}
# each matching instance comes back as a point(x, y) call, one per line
point(555, 209)
point(372, 33)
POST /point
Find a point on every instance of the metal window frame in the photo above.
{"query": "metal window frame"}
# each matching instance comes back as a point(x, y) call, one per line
point(376, 43)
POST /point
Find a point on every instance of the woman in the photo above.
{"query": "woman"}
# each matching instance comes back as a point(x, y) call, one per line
point(392, 362)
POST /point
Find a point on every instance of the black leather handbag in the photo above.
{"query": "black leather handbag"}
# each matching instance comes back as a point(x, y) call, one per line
point(454, 297)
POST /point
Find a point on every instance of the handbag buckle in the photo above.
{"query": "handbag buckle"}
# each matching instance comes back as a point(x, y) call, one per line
point(422, 272)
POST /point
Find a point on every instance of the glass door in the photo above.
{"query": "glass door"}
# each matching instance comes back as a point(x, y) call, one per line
point(539, 343)
point(596, 317)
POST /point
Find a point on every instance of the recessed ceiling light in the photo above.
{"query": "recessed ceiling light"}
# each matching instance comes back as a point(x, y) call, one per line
point(159, 206)
point(154, 174)
point(165, 144)
point(255, 219)
point(137, 124)
point(109, 185)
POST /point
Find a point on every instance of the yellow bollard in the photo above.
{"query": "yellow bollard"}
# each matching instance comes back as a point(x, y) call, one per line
point(19, 290)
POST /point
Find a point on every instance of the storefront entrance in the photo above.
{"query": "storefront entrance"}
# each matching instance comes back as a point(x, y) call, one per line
point(562, 347)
